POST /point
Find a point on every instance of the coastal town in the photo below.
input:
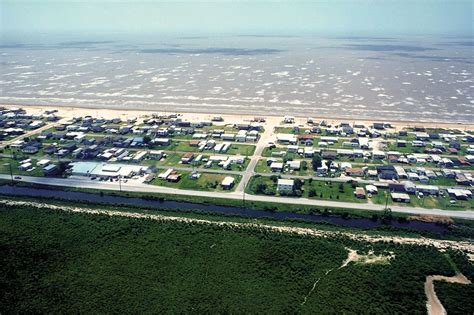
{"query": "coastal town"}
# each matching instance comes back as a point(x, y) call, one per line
point(389, 164)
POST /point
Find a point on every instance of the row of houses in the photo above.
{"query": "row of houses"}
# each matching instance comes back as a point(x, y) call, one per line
point(210, 145)
point(48, 167)
point(160, 126)
point(390, 156)
point(391, 172)
point(409, 188)
point(15, 122)
point(277, 166)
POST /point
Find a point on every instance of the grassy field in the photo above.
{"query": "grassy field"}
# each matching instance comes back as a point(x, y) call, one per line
point(5, 168)
point(315, 189)
point(207, 181)
point(241, 149)
point(332, 191)
point(289, 130)
point(438, 202)
point(443, 181)
point(262, 167)
point(267, 152)
point(56, 262)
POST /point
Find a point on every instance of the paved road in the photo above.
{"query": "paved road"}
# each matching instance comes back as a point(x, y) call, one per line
point(136, 186)
point(265, 137)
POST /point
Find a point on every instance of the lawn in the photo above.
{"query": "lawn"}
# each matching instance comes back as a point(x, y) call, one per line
point(315, 189)
point(267, 152)
point(206, 182)
point(5, 169)
point(172, 159)
point(241, 149)
point(262, 167)
point(269, 183)
point(58, 262)
point(438, 202)
point(443, 181)
point(407, 149)
point(289, 130)
point(331, 191)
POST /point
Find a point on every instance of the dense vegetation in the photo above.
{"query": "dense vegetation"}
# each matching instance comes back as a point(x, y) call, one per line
point(456, 298)
point(59, 262)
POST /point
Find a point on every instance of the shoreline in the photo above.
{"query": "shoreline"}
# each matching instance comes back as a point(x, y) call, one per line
point(206, 113)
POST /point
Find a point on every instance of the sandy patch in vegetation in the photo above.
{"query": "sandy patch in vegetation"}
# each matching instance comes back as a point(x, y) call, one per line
point(369, 258)
point(432, 218)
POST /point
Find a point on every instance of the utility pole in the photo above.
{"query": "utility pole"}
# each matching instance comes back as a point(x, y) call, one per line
point(120, 183)
point(387, 212)
point(243, 193)
point(11, 171)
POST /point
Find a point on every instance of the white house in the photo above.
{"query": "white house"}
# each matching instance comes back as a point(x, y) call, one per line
point(371, 189)
point(276, 166)
point(227, 182)
point(285, 184)
point(294, 165)
point(287, 139)
point(43, 163)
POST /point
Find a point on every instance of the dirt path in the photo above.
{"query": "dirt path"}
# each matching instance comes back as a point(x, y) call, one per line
point(352, 255)
point(433, 304)
point(440, 244)
point(314, 287)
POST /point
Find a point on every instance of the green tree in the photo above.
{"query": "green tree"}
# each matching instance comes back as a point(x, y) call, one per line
point(304, 165)
point(261, 187)
point(298, 184)
point(341, 187)
point(316, 162)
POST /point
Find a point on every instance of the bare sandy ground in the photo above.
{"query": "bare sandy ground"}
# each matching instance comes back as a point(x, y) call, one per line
point(433, 304)
point(275, 118)
point(369, 258)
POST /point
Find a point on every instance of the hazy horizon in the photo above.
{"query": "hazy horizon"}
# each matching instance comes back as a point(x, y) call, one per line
point(322, 18)
point(348, 58)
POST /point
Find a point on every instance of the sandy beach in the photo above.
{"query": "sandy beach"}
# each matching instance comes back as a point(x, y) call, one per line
point(229, 117)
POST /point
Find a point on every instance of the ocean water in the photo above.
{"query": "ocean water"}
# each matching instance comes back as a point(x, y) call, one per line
point(423, 79)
